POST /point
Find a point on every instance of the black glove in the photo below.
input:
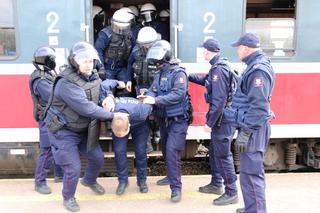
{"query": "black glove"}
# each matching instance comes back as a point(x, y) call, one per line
point(242, 141)
point(102, 73)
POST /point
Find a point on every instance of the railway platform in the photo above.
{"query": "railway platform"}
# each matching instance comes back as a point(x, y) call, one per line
point(286, 193)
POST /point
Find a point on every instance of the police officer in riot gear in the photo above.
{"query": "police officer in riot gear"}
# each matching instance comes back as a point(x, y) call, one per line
point(164, 24)
point(135, 26)
point(135, 12)
point(251, 113)
point(168, 94)
point(148, 13)
point(40, 84)
point(140, 72)
point(114, 44)
point(137, 126)
point(138, 68)
point(220, 85)
point(98, 15)
point(72, 120)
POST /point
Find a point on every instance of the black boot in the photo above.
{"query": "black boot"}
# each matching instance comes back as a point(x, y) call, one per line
point(121, 188)
point(211, 189)
point(58, 179)
point(242, 210)
point(42, 189)
point(143, 188)
point(164, 181)
point(175, 196)
point(96, 187)
point(71, 205)
point(226, 200)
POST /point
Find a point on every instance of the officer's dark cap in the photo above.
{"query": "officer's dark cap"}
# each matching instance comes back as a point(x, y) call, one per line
point(212, 45)
point(248, 39)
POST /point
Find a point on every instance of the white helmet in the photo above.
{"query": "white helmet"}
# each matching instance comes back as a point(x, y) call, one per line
point(128, 10)
point(148, 12)
point(97, 10)
point(164, 13)
point(134, 10)
point(147, 8)
point(98, 16)
point(121, 21)
point(147, 35)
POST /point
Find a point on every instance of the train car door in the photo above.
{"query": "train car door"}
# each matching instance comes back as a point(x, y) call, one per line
point(56, 23)
point(194, 21)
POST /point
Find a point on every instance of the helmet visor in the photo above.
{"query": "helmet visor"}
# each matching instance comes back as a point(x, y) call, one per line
point(120, 28)
point(157, 53)
point(84, 55)
point(147, 16)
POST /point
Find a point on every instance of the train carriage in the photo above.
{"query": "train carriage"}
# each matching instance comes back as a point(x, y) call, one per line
point(289, 35)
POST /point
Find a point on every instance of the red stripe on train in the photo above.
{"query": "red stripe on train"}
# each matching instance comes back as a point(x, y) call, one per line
point(16, 103)
point(296, 100)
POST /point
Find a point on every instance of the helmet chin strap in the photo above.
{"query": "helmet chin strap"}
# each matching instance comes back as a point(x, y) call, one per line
point(159, 65)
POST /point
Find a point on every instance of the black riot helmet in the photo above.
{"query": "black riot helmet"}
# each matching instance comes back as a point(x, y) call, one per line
point(159, 53)
point(44, 56)
point(81, 51)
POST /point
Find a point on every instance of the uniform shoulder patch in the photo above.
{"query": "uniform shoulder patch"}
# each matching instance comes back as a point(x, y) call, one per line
point(215, 78)
point(258, 82)
point(180, 80)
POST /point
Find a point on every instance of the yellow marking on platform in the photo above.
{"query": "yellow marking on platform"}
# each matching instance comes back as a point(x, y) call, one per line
point(107, 197)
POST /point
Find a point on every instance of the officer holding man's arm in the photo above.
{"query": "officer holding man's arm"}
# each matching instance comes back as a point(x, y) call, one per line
point(141, 74)
point(136, 125)
point(171, 101)
point(220, 86)
point(252, 113)
point(138, 69)
point(72, 118)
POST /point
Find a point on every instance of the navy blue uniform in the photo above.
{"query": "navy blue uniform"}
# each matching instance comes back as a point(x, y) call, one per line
point(116, 63)
point(138, 115)
point(107, 87)
point(139, 70)
point(163, 28)
point(42, 88)
point(251, 111)
point(135, 28)
point(171, 104)
point(218, 83)
point(78, 106)
point(131, 60)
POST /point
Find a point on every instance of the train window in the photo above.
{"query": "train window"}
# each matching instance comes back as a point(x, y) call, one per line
point(276, 35)
point(7, 29)
point(274, 21)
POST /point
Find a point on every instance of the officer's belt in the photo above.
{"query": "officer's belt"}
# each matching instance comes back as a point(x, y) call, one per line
point(117, 64)
point(228, 104)
point(176, 118)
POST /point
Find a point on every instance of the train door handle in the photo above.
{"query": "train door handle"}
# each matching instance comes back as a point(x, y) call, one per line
point(177, 28)
point(85, 28)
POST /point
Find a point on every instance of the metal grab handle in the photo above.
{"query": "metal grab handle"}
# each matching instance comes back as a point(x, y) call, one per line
point(177, 28)
point(85, 28)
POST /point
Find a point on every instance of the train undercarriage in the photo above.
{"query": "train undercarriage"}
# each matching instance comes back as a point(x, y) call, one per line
point(282, 155)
